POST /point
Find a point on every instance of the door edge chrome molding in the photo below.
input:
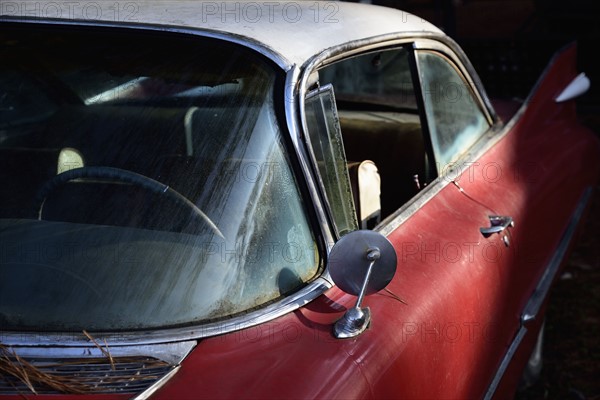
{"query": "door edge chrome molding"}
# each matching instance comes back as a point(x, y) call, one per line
point(540, 293)
point(512, 349)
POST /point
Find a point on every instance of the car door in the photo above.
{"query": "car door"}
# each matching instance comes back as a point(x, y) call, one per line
point(529, 170)
point(394, 107)
point(478, 173)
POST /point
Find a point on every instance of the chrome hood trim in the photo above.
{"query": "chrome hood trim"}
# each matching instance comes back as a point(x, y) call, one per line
point(98, 369)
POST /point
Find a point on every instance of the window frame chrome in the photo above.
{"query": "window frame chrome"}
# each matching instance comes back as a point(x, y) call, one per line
point(419, 41)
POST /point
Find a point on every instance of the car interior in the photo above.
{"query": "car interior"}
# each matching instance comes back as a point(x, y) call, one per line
point(101, 112)
point(393, 142)
point(155, 143)
point(380, 127)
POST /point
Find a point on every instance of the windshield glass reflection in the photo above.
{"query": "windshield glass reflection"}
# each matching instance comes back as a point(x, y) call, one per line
point(146, 182)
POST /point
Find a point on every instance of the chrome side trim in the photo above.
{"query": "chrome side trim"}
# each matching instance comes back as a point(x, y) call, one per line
point(400, 216)
point(483, 144)
point(542, 289)
point(540, 293)
point(514, 346)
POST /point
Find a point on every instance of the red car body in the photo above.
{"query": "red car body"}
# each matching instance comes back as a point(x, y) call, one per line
point(462, 314)
point(460, 317)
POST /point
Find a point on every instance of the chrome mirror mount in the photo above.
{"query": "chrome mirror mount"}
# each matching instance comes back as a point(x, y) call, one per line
point(361, 263)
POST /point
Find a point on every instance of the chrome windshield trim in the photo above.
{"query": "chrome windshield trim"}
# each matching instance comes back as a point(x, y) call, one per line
point(292, 105)
point(271, 54)
point(540, 294)
point(168, 335)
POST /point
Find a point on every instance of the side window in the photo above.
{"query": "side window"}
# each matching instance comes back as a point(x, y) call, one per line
point(377, 80)
point(381, 131)
point(454, 117)
point(388, 156)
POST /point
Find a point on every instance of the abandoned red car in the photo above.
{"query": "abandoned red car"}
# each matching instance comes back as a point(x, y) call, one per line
point(273, 200)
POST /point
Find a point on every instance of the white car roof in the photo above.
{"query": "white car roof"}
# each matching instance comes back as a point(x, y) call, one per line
point(293, 30)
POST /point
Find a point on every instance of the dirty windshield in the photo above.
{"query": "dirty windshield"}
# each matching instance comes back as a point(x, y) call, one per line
point(145, 182)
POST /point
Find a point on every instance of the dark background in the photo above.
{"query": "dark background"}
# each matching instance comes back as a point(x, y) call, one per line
point(509, 43)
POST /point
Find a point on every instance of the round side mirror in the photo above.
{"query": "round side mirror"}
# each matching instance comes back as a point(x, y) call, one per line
point(348, 262)
point(361, 263)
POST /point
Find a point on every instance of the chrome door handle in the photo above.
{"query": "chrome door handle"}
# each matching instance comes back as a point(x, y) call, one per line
point(498, 224)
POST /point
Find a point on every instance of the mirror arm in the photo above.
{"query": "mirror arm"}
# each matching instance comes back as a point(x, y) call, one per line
point(373, 255)
point(357, 319)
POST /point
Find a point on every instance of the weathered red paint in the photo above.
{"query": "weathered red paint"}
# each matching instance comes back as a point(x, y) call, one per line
point(464, 292)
